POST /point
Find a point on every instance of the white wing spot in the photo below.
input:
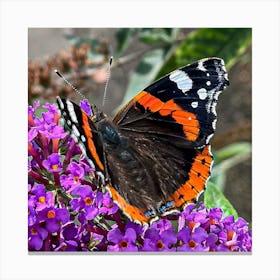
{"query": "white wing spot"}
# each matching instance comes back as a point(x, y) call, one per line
point(83, 150)
point(60, 103)
point(214, 124)
point(194, 104)
point(71, 111)
point(83, 138)
point(74, 137)
point(226, 76)
point(207, 74)
point(208, 83)
point(183, 81)
point(202, 93)
point(201, 66)
point(62, 121)
point(208, 138)
point(69, 122)
point(75, 130)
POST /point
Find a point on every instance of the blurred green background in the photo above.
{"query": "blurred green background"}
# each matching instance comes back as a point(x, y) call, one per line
point(141, 55)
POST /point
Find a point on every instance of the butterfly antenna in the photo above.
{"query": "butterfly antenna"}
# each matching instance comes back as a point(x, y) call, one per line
point(69, 84)
point(107, 81)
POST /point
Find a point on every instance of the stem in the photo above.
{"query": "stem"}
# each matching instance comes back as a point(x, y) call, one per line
point(38, 177)
point(55, 145)
point(118, 220)
point(35, 155)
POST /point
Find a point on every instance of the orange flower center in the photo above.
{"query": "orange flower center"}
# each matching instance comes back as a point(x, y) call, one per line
point(110, 206)
point(212, 221)
point(55, 167)
point(42, 199)
point(51, 214)
point(64, 247)
point(76, 179)
point(123, 244)
point(34, 231)
point(230, 235)
point(88, 201)
point(191, 225)
point(192, 244)
point(160, 244)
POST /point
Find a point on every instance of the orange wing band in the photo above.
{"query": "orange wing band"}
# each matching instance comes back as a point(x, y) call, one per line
point(198, 175)
point(134, 213)
point(170, 108)
point(91, 145)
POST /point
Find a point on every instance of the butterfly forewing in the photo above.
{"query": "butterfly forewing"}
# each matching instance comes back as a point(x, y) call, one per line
point(83, 131)
point(181, 106)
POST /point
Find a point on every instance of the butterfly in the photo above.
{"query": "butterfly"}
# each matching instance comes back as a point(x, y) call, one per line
point(155, 153)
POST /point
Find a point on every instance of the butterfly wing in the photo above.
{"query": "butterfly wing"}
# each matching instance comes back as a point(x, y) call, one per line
point(180, 107)
point(156, 152)
point(168, 127)
point(83, 131)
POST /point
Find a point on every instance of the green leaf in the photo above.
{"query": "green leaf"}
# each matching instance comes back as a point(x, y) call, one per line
point(158, 35)
point(232, 150)
point(226, 43)
point(227, 158)
point(213, 198)
point(39, 111)
point(124, 37)
point(219, 179)
point(146, 71)
point(148, 68)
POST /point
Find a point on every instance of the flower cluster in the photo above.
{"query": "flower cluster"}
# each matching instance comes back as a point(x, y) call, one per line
point(68, 212)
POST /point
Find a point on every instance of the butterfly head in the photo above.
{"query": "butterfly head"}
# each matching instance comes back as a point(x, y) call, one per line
point(97, 114)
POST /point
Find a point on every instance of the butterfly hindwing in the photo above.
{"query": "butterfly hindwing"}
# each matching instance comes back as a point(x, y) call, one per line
point(155, 177)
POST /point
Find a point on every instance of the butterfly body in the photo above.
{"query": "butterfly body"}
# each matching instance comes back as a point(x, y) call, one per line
point(155, 153)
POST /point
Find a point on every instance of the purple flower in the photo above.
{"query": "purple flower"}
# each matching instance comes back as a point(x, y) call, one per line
point(36, 236)
point(70, 231)
point(32, 215)
point(51, 108)
point(67, 245)
point(235, 235)
point(70, 238)
point(122, 241)
point(155, 241)
point(192, 241)
point(31, 113)
point(86, 107)
point(192, 218)
point(73, 179)
point(53, 163)
point(48, 124)
point(32, 110)
point(42, 198)
point(53, 218)
point(162, 225)
point(107, 206)
point(32, 133)
point(211, 241)
point(87, 201)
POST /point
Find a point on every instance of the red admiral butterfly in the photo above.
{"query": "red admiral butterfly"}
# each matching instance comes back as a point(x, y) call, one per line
point(155, 153)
